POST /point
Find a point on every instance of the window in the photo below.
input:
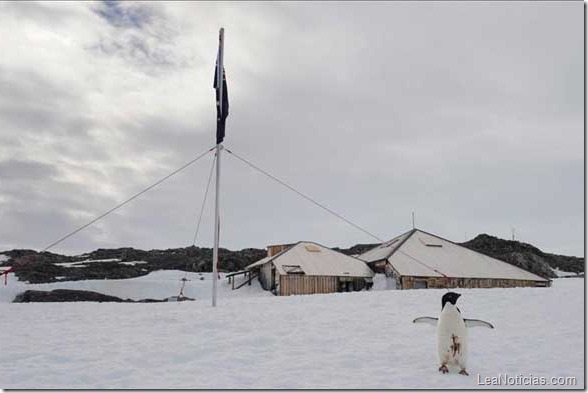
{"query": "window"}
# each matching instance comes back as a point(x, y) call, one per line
point(420, 284)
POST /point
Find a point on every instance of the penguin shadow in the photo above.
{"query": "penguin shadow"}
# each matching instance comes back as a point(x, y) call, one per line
point(452, 334)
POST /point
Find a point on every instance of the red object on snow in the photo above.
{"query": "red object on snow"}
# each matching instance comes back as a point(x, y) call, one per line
point(12, 268)
point(5, 273)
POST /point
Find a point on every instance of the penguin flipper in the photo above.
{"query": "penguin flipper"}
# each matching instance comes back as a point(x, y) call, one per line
point(428, 320)
point(478, 322)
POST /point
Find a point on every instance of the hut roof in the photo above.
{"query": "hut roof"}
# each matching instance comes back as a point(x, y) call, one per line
point(258, 263)
point(313, 259)
point(422, 254)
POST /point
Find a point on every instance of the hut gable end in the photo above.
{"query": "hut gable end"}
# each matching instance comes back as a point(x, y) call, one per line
point(386, 249)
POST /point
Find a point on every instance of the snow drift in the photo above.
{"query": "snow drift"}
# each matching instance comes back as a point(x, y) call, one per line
point(255, 340)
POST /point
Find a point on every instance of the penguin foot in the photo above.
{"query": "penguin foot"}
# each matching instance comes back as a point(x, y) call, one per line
point(463, 372)
point(444, 369)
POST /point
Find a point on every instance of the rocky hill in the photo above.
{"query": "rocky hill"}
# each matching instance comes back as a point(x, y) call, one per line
point(525, 255)
point(122, 263)
point(356, 250)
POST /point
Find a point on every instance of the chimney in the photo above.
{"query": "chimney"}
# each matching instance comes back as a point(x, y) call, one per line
point(277, 248)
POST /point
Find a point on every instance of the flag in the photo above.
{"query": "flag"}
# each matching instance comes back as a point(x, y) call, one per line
point(222, 111)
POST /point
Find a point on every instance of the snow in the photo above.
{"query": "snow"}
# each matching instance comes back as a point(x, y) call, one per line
point(562, 273)
point(3, 257)
point(101, 260)
point(383, 283)
point(156, 285)
point(70, 264)
point(133, 263)
point(86, 261)
point(361, 340)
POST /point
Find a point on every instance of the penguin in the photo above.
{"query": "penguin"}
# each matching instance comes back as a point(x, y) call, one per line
point(452, 335)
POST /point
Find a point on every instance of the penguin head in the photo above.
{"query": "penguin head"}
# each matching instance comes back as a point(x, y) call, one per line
point(449, 297)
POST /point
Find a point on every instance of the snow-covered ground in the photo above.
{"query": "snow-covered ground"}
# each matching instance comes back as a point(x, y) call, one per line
point(156, 285)
point(256, 340)
point(562, 273)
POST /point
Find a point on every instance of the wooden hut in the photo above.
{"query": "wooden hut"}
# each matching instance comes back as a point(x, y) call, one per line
point(417, 259)
point(307, 268)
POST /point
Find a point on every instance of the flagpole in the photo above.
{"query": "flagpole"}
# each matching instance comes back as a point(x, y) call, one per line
point(219, 81)
point(215, 257)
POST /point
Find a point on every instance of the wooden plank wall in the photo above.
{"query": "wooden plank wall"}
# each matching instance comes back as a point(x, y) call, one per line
point(295, 284)
point(409, 282)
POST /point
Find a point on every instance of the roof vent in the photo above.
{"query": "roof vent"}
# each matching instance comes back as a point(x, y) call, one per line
point(430, 244)
point(293, 269)
point(312, 248)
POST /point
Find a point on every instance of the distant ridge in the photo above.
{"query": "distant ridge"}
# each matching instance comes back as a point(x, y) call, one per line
point(118, 263)
point(525, 255)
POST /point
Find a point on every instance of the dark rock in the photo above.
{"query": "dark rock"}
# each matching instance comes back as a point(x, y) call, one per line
point(151, 301)
point(19, 256)
point(74, 295)
point(65, 295)
point(178, 299)
point(37, 270)
point(357, 249)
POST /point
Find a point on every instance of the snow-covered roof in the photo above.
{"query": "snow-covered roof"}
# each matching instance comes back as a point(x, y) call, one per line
point(316, 260)
point(384, 250)
point(258, 263)
point(424, 254)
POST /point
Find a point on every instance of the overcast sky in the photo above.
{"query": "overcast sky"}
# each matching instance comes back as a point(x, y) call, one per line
point(470, 114)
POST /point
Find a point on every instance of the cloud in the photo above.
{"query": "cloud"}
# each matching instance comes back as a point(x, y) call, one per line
point(123, 15)
point(469, 114)
point(25, 170)
point(140, 35)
